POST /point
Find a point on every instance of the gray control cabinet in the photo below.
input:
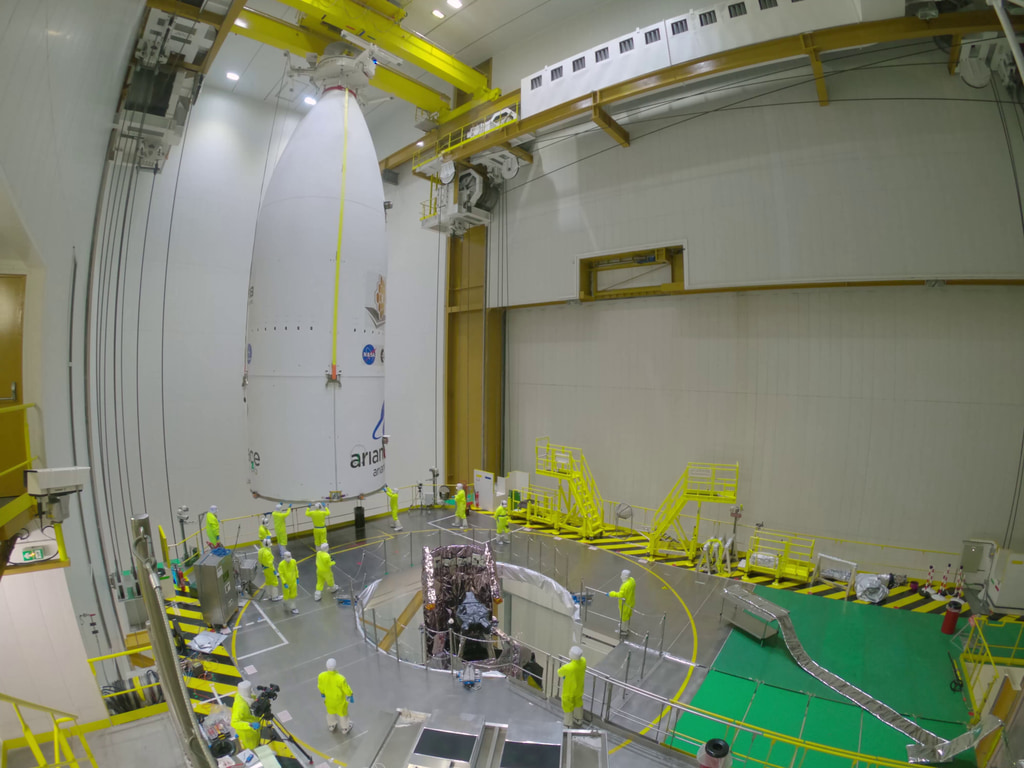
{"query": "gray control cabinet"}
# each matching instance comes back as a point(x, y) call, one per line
point(218, 598)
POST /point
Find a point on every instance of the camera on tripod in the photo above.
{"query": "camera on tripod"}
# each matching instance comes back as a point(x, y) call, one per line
point(261, 706)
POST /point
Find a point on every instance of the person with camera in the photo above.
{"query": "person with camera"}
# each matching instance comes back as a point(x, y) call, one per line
point(246, 725)
point(337, 695)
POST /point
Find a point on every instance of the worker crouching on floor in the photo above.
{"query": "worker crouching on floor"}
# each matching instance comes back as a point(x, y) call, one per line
point(337, 695)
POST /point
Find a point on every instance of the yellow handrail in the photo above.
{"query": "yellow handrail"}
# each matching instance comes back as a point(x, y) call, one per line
point(60, 742)
point(38, 707)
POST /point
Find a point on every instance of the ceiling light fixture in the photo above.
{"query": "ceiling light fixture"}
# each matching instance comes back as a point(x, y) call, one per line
point(438, 13)
point(419, 143)
point(456, 4)
point(242, 23)
point(310, 100)
point(233, 75)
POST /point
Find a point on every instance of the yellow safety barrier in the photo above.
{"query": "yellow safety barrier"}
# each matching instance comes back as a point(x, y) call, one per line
point(783, 557)
point(59, 734)
point(137, 693)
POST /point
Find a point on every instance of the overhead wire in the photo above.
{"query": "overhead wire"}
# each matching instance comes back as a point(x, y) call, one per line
point(714, 110)
point(138, 337)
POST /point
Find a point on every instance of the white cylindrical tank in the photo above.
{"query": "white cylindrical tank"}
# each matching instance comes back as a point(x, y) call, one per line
point(314, 378)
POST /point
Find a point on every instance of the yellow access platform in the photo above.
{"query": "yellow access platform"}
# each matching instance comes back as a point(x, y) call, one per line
point(576, 505)
point(700, 482)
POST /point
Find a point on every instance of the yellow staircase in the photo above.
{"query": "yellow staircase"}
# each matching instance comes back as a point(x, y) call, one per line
point(577, 504)
point(59, 736)
point(699, 482)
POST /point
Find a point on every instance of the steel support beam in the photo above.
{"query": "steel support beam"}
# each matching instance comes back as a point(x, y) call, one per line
point(954, 53)
point(832, 39)
point(301, 40)
point(819, 77)
point(385, 32)
point(222, 33)
point(522, 154)
point(612, 128)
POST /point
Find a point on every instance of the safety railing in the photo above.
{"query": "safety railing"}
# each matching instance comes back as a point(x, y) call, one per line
point(610, 701)
point(645, 629)
point(461, 136)
point(978, 667)
point(584, 508)
point(59, 735)
point(128, 697)
point(1005, 639)
point(780, 557)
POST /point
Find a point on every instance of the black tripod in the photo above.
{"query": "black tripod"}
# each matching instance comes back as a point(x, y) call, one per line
point(281, 733)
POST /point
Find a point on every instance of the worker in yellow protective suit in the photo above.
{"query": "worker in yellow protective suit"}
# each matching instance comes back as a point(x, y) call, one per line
point(213, 527)
point(318, 514)
point(337, 695)
point(393, 506)
point(574, 672)
point(324, 574)
point(242, 720)
point(289, 573)
point(264, 532)
point(501, 517)
point(627, 599)
point(280, 515)
point(460, 507)
point(266, 558)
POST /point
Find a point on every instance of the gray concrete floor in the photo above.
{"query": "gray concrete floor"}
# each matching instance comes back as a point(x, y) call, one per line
point(274, 646)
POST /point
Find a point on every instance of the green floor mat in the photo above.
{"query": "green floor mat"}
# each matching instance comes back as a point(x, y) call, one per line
point(778, 710)
point(724, 695)
point(899, 657)
point(834, 725)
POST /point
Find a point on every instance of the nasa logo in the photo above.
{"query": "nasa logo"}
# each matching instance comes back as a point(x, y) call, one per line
point(248, 353)
point(369, 354)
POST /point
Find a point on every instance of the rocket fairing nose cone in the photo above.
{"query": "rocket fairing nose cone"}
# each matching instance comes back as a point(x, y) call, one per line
point(314, 356)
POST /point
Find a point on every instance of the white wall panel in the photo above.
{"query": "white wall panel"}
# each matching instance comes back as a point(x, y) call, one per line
point(778, 190)
point(885, 415)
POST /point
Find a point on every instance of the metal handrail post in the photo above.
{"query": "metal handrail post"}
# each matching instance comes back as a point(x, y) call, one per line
point(412, 563)
point(385, 545)
point(607, 708)
point(373, 619)
point(625, 677)
point(397, 657)
point(451, 650)
point(661, 643)
point(643, 661)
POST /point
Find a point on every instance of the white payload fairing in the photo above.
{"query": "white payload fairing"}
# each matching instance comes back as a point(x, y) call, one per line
point(314, 355)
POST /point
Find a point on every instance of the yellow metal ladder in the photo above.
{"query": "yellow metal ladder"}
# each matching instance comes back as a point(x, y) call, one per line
point(582, 507)
point(60, 742)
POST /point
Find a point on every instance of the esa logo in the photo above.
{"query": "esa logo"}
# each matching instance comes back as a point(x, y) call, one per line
point(369, 354)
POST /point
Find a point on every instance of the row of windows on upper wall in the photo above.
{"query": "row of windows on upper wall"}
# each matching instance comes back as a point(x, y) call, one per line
point(652, 36)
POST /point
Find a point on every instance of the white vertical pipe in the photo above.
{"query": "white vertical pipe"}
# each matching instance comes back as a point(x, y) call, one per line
point(1011, 34)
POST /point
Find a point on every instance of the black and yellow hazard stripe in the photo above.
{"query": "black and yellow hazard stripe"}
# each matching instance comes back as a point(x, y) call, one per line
point(220, 672)
point(635, 545)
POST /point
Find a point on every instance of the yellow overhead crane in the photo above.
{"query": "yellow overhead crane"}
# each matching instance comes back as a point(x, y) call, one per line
point(376, 22)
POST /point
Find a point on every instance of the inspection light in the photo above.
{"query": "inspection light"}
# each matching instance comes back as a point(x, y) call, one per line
point(233, 75)
point(438, 13)
point(242, 23)
point(419, 143)
point(456, 4)
point(310, 100)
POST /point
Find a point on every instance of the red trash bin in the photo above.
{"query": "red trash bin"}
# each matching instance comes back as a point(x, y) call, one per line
point(953, 608)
